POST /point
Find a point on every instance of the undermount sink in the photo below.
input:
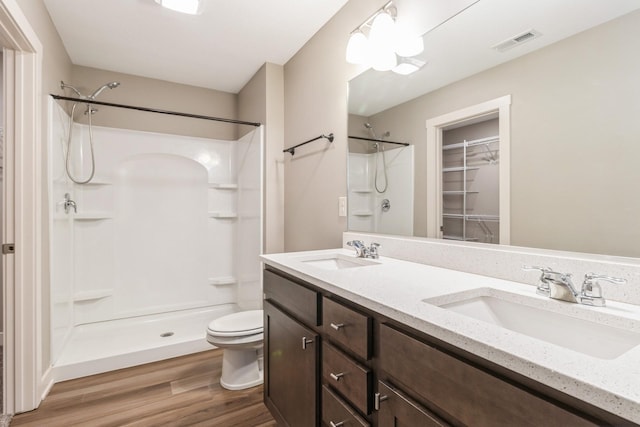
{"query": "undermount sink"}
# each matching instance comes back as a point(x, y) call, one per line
point(519, 313)
point(336, 261)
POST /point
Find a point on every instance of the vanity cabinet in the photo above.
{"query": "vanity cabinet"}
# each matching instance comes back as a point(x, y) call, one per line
point(331, 362)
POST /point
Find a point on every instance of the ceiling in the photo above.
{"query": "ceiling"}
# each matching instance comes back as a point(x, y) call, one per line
point(220, 49)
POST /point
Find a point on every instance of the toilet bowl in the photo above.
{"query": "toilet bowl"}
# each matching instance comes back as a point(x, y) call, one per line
point(240, 335)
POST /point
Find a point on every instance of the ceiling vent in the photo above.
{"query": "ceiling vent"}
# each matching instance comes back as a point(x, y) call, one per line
point(516, 40)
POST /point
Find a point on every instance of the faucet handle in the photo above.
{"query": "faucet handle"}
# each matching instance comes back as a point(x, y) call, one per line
point(542, 288)
point(358, 245)
point(373, 250)
point(591, 293)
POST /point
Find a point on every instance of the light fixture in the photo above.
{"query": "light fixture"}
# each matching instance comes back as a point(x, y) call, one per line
point(358, 48)
point(192, 7)
point(407, 66)
point(386, 45)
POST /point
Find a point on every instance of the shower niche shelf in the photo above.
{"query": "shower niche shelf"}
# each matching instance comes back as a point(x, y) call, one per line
point(362, 213)
point(88, 296)
point(97, 181)
point(222, 280)
point(223, 215)
point(222, 186)
point(92, 216)
point(362, 190)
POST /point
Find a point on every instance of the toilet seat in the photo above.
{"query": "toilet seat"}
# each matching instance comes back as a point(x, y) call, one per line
point(240, 324)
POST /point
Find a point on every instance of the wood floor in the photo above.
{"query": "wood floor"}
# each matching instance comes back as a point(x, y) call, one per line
point(184, 391)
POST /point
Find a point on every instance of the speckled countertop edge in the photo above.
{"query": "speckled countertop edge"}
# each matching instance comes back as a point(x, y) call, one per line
point(396, 289)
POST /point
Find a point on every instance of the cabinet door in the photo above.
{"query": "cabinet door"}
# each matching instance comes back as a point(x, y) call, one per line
point(291, 367)
point(397, 410)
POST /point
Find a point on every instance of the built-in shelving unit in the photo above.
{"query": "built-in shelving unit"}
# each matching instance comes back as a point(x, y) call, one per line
point(94, 295)
point(223, 280)
point(464, 216)
point(92, 216)
point(223, 215)
point(223, 186)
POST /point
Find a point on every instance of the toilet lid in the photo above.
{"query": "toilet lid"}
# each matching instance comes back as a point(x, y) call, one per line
point(237, 324)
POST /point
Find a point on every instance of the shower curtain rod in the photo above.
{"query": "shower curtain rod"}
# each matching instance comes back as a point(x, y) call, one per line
point(379, 140)
point(155, 110)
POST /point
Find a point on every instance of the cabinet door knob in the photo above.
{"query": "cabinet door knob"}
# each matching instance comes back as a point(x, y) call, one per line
point(336, 376)
point(377, 398)
point(305, 341)
point(338, 424)
point(337, 326)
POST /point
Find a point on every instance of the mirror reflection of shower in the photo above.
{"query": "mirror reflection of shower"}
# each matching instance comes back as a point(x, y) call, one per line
point(379, 148)
point(89, 111)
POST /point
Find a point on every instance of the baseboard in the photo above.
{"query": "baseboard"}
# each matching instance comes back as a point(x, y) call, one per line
point(46, 383)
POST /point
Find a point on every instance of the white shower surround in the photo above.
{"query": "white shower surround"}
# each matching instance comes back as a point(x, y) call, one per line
point(167, 235)
point(365, 211)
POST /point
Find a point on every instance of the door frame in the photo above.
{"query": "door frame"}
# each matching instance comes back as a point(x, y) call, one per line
point(24, 384)
point(435, 127)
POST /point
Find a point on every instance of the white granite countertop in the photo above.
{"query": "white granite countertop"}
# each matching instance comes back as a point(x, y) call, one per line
point(396, 289)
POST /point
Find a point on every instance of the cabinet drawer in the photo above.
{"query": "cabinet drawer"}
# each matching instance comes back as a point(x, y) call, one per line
point(335, 412)
point(463, 393)
point(298, 300)
point(349, 378)
point(347, 327)
point(399, 410)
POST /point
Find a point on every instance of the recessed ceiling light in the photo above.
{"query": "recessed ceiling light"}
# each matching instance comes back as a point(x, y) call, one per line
point(192, 7)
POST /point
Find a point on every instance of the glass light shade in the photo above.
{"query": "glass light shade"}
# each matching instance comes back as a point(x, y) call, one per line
point(192, 7)
point(357, 49)
point(383, 32)
point(383, 59)
point(410, 46)
point(405, 68)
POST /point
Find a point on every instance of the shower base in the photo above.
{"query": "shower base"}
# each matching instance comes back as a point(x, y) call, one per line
point(116, 344)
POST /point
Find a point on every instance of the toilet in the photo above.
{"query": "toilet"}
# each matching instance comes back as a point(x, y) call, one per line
point(240, 335)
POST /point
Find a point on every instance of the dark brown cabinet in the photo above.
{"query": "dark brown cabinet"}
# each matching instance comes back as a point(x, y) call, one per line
point(331, 362)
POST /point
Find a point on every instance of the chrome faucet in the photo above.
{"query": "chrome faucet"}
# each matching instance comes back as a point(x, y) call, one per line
point(68, 204)
point(362, 251)
point(560, 286)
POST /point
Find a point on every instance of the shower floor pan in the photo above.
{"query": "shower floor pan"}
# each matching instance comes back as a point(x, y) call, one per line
point(116, 344)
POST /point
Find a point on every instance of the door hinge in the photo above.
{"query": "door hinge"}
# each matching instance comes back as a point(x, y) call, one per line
point(8, 248)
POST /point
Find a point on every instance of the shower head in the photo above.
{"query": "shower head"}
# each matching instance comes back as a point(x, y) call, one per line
point(368, 126)
point(373, 132)
point(110, 85)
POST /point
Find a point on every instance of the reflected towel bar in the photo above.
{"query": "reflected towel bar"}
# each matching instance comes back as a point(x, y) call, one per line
point(292, 150)
point(379, 140)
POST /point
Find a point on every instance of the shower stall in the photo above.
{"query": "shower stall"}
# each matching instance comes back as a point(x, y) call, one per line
point(163, 238)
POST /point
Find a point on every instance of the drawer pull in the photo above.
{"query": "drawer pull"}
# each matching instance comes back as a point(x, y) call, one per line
point(338, 424)
point(377, 398)
point(305, 341)
point(336, 376)
point(337, 326)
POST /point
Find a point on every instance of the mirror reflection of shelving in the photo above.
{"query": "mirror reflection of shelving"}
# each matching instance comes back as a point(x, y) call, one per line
point(470, 182)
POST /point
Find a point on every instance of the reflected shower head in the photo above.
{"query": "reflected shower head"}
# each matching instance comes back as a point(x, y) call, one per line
point(373, 132)
point(110, 85)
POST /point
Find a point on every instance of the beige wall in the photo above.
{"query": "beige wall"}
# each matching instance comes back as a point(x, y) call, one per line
point(574, 127)
point(316, 103)
point(159, 94)
point(262, 100)
point(56, 65)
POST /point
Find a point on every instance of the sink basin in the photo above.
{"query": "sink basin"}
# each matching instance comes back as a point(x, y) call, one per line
point(520, 314)
point(336, 261)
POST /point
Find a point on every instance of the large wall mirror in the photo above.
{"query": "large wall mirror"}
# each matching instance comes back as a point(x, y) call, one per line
point(574, 122)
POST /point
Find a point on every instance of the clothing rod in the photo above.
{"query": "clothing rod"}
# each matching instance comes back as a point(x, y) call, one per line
point(379, 140)
point(155, 110)
point(292, 150)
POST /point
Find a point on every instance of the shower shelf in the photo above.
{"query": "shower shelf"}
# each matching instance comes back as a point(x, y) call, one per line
point(362, 213)
point(97, 181)
point(220, 186)
point(362, 190)
point(92, 216)
point(222, 280)
point(86, 296)
point(223, 215)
